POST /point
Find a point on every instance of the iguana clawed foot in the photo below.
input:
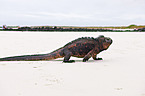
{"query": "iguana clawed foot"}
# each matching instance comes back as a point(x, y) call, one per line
point(84, 60)
point(98, 59)
point(69, 61)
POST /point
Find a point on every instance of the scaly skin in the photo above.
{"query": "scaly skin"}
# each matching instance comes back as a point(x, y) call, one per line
point(82, 48)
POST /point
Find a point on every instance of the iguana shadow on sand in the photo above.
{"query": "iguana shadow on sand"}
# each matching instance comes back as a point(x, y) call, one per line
point(84, 47)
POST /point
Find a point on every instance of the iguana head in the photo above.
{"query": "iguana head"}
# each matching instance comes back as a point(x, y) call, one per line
point(105, 41)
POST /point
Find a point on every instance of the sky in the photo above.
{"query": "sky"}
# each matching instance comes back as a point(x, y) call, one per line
point(72, 12)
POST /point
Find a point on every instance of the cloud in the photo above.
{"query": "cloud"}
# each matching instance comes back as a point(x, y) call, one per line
point(83, 12)
point(57, 15)
point(131, 16)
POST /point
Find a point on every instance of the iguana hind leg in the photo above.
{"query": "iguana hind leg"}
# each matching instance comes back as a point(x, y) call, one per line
point(67, 56)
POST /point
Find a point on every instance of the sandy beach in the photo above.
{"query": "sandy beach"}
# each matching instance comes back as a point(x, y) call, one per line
point(120, 73)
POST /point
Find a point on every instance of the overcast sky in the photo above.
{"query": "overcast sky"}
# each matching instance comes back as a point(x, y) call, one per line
point(72, 12)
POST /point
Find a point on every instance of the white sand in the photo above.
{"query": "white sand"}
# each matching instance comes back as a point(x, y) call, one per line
point(121, 73)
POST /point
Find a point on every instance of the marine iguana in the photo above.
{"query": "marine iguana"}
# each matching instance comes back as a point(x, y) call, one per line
point(84, 47)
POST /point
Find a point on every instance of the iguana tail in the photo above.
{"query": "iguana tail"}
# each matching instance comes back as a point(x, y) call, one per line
point(36, 57)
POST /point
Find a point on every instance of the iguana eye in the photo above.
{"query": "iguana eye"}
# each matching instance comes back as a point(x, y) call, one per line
point(108, 40)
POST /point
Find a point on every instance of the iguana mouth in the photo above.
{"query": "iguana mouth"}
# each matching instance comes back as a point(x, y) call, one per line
point(111, 41)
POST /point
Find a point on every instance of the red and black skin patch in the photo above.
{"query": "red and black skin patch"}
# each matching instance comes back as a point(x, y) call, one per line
point(87, 47)
point(82, 48)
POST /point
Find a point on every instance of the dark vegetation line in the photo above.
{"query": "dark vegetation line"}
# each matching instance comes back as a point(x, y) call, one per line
point(131, 28)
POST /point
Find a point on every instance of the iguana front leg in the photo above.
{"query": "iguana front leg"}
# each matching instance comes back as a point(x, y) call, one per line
point(95, 57)
point(93, 53)
point(89, 55)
